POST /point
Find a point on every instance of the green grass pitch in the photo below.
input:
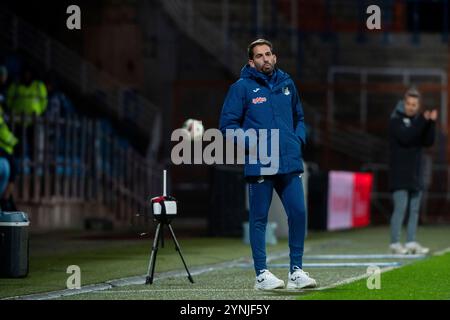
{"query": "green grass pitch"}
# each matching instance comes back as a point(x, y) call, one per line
point(101, 260)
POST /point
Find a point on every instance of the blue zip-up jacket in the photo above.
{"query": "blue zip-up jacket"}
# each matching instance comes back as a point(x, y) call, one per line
point(256, 101)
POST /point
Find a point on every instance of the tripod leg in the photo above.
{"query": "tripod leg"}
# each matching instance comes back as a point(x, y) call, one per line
point(151, 264)
point(177, 247)
point(162, 235)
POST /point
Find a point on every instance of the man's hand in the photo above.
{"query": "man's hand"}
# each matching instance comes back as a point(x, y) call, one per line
point(430, 115)
point(433, 114)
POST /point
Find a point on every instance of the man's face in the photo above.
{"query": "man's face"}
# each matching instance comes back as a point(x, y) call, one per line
point(412, 106)
point(263, 59)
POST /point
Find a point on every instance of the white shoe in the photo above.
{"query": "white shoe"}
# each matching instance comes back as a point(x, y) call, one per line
point(415, 248)
point(300, 279)
point(397, 248)
point(267, 281)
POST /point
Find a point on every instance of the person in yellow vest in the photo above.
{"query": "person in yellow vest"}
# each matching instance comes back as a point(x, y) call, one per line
point(29, 96)
point(7, 143)
point(26, 97)
point(7, 139)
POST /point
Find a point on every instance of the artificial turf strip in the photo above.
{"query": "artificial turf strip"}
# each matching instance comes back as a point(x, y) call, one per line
point(424, 280)
point(129, 258)
point(104, 258)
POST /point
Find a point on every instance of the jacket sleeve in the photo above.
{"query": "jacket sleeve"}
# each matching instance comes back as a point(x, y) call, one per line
point(429, 133)
point(233, 114)
point(407, 136)
point(299, 118)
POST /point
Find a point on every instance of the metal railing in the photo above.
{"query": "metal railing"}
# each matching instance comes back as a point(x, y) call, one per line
point(345, 139)
point(364, 74)
point(436, 198)
point(72, 159)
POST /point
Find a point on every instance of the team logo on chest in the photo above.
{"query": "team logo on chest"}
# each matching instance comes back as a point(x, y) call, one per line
point(407, 122)
point(286, 91)
point(259, 100)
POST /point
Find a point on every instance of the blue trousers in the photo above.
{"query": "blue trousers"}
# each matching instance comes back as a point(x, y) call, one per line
point(404, 199)
point(290, 190)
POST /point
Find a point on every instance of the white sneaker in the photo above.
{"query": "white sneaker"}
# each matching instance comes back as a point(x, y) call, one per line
point(415, 248)
point(300, 279)
point(397, 248)
point(267, 281)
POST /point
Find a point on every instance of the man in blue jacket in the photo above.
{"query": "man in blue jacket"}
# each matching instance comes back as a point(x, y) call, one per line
point(265, 98)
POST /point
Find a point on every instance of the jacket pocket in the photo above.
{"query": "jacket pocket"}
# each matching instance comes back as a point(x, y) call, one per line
point(292, 144)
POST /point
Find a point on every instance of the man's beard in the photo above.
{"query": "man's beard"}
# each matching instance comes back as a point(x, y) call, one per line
point(267, 71)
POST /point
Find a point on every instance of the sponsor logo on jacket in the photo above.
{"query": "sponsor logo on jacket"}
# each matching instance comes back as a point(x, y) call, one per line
point(259, 100)
point(407, 122)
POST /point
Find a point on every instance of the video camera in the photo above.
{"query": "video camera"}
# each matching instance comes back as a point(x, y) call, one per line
point(164, 208)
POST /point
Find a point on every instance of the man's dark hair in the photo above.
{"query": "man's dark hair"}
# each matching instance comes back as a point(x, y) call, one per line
point(412, 92)
point(258, 42)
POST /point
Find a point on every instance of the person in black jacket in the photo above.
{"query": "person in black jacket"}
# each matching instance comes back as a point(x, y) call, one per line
point(409, 132)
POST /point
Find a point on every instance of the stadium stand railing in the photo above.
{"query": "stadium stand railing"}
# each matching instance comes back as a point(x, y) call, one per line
point(436, 198)
point(78, 160)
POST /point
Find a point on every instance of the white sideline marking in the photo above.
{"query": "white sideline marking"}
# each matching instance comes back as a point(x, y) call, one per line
point(352, 279)
point(333, 285)
point(63, 293)
point(441, 252)
point(328, 265)
point(341, 265)
point(349, 280)
point(172, 290)
point(363, 256)
point(136, 280)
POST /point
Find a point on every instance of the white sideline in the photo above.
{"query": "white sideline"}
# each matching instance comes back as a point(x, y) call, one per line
point(345, 281)
point(340, 265)
point(352, 279)
point(442, 252)
point(136, 280)
point(363, 256)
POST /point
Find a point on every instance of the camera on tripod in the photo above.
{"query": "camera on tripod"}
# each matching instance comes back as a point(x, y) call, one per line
point(164, 209)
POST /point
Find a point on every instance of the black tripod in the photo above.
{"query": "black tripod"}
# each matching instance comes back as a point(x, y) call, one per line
point(156, 242)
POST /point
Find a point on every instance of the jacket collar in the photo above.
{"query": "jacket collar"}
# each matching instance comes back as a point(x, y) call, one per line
point(251, 73)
